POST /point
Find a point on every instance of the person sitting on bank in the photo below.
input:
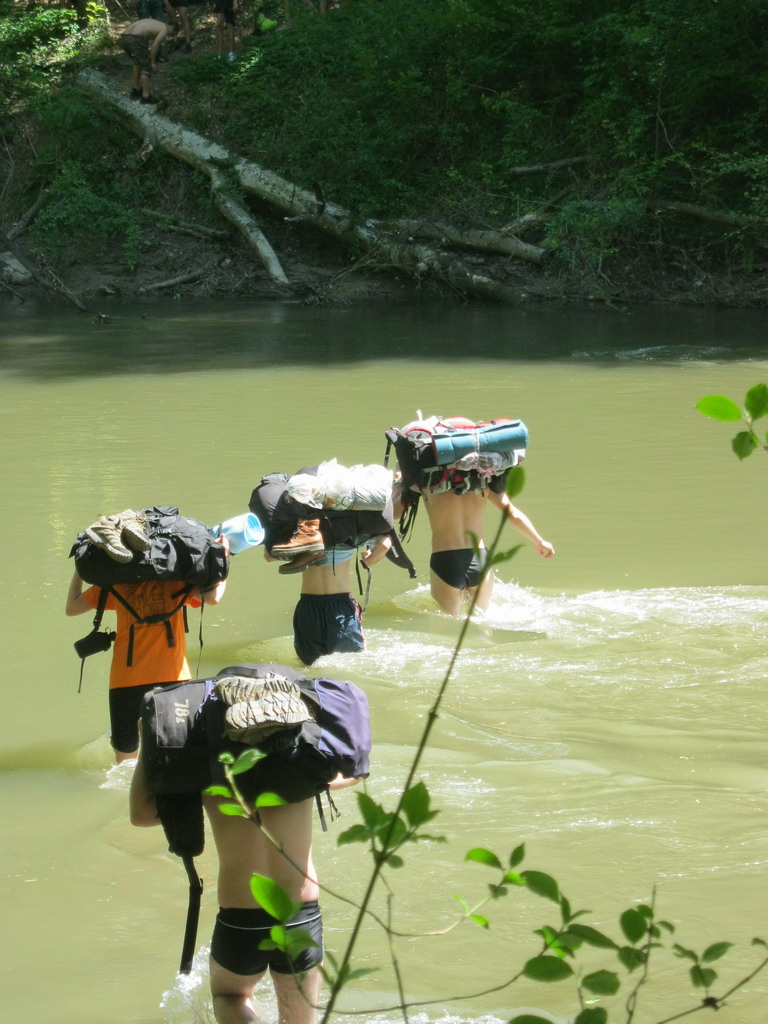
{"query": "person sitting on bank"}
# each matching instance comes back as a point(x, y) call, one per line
point(142, 41)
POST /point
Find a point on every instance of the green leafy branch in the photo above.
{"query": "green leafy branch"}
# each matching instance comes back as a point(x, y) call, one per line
point(725, 410)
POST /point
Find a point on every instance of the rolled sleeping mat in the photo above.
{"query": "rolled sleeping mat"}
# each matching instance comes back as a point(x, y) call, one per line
point(502, 436)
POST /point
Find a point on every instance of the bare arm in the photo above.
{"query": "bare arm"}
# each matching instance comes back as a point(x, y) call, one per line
point(379, 550)
point(157, 44)
point(76, 603)
point(520, 521)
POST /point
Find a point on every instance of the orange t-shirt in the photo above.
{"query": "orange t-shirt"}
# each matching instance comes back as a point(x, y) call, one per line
point(153, 660)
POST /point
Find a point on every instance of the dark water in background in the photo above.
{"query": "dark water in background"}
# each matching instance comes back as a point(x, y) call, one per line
point(613, 716)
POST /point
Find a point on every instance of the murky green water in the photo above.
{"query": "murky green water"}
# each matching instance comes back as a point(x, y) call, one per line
point(613, 719)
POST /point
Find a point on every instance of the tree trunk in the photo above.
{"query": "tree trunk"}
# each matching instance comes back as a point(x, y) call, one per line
point(298, 204)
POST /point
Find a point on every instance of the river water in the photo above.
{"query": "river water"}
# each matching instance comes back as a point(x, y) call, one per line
point(610, 715)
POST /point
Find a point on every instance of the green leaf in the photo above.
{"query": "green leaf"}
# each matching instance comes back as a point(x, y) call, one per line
point(631, 958)
point(479, 919)
point(226, 758)
point(273, 898)
point(218, 791)
point(683, 953)
point(373, 814)
point(542, 885)
point(232, 810)
point(269, 800)
point(416, 805)
point(743, 444)
point(512, 878)
point(394, 861)
point(355, 834)
point(756, 401)
point(602, 983)
point(702, 977)
point(504, 556)
point(715, 951)
point(483, 856)
point(530, 1018)
point(592, 936)
point(547, 968)
point(634, 925)
point(592, 1015)
point(720, 408)
point(517, 855)
point(757, 941)
point(360, 972)
point(515, 481)
point(246, 761)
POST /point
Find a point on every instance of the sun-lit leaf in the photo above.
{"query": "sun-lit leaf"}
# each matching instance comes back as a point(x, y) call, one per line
point(273, 898)
point(373, 813)
point(743, 444)
point(232, 810)
point(720, 408)
point(602, 983)
point(756, 401)
point(482, 856)
point(512, 878)
point(479, 919)
point(547, 968)
point(269, 800)
point(246, 761)
point(542, 885)
point(218, 791)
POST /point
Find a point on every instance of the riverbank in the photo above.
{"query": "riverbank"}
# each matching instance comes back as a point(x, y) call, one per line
point(96, 214)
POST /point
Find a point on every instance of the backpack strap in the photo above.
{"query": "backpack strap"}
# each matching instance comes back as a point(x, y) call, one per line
point(100, 608)
point(193, 914)
point(155, 620)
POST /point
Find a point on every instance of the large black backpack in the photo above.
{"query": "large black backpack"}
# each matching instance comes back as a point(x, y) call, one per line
point(180, 549)
point(183, 733)
point(279, 513)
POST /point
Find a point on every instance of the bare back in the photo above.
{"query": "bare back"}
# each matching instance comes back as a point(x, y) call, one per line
point(243, 850)
point(452, 517)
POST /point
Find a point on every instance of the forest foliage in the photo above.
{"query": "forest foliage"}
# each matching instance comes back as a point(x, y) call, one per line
point(440, 108)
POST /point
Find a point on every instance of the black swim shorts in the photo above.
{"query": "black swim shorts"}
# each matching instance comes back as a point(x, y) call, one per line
point(238, 934)
point(327, 624)
point(459, 568)
point(124, 714)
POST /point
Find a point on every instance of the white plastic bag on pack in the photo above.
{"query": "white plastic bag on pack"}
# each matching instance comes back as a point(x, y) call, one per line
point(343, 487)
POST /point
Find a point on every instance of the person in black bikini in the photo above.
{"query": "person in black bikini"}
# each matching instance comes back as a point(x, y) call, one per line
point(455, 570)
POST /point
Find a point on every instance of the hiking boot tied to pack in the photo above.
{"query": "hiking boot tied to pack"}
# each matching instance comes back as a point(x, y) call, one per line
point(306, 539)
point(119, 535)
point(260, 707)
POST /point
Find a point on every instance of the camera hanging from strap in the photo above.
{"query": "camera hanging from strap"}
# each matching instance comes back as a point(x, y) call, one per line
point(95, 641)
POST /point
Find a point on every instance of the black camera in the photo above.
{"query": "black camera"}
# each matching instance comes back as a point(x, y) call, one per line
point(94, 643)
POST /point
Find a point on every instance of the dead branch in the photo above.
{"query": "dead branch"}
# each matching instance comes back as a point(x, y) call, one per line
point(193, 275)
point(737, 220)
point(554, 166)
point(26, 219)
point(185, 227)
point(488, 240)
point(48, 279)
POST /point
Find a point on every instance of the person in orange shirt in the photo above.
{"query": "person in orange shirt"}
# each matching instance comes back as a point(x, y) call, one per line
point(144, 654)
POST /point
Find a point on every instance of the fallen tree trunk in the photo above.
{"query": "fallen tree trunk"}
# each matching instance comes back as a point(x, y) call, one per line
point(295, 203)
